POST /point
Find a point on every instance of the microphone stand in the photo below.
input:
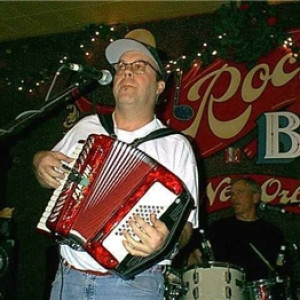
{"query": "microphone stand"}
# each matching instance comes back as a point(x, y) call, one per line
point(49, 105)
point(283, 205)
point(278, 207)
point(25, 116)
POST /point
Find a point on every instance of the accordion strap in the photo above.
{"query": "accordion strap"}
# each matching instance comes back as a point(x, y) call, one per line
point(107, 122)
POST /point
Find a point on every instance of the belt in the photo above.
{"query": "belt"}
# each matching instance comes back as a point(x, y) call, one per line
point(157, 268)
point(89, 272)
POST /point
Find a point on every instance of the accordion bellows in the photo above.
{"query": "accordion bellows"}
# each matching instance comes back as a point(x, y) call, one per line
point(110, 181)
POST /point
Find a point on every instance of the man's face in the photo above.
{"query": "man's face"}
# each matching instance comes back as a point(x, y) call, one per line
point(139, 90)
point(242, 198)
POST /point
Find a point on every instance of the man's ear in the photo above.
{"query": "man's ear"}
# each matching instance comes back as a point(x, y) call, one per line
point(256, 197)
point(160, 87)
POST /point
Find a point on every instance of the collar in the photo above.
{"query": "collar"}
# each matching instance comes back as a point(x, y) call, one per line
point(130, 136)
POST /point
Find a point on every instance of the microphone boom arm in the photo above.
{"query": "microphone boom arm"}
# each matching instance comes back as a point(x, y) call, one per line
point(25, 116)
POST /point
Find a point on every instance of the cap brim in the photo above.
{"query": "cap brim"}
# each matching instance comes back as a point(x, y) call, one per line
point(116, 49)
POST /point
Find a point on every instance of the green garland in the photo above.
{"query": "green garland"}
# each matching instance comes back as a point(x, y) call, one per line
point(246, 32)
point(243, 32)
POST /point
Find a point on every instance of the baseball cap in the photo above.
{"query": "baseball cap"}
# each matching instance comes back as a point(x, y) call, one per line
point(140, 40)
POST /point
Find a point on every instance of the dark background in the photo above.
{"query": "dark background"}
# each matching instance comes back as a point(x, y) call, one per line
point(33, 256)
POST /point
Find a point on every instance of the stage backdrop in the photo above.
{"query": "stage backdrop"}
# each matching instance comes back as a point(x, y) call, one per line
point(243, 122)
point(251, 118)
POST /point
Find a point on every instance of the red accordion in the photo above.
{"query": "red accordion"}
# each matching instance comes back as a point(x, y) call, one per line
point(108, 183)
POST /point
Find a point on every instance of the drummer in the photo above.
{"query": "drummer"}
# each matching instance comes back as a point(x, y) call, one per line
point(245, 239)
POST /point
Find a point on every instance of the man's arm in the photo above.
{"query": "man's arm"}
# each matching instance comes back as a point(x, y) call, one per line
point(185, 235)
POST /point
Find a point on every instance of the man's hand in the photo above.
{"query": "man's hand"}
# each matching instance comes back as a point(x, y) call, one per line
point(152, 237)
point(49, 169)
point(7, 212)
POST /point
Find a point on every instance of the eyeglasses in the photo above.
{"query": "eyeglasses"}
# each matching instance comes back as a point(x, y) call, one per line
point(137, 67)
point(239, 192)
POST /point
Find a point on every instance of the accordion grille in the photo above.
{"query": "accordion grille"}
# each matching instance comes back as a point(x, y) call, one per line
point(121, 173)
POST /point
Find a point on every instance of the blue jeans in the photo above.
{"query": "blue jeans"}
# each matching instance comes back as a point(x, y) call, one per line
point(70, 284)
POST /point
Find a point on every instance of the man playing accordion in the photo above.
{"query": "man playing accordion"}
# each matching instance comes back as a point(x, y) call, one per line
point(138, 82)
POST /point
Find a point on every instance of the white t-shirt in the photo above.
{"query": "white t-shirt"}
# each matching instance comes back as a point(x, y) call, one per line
point(173, 152)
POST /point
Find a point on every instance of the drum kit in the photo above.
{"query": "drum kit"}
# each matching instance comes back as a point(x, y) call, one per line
point(221, 281)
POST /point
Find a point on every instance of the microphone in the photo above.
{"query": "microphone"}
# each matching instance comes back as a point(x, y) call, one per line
point(264, 206)
point(104, 77)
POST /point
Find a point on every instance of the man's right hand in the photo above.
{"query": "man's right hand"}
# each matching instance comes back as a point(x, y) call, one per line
point(48, 167)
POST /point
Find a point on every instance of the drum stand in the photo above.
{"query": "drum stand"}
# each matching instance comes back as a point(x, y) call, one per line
point(174, 287)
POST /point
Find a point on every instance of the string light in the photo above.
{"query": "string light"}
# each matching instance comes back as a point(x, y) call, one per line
point(109, 33)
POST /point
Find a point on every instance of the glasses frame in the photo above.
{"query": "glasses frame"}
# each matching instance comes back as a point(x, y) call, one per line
point(114, 65)
point(240, 192)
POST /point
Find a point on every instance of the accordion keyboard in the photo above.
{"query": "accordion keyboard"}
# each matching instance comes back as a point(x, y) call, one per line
point(42, 223)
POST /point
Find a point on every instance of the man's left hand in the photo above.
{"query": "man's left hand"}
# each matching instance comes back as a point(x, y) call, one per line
point(151, 236)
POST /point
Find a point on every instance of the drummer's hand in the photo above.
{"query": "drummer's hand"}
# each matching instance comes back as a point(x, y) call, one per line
point(195, 258)
point(48, 167)
point(152, 237)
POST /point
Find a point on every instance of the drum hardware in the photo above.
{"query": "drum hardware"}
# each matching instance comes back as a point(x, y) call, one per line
point(196, 292)
point(5, 227)
point(206, 248)
point(7, 269)
point(196, 277)
point(4, 261)
point(174, 287)
point(228, 276)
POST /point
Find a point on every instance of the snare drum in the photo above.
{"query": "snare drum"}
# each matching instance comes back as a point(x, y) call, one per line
point(218, 281)
point(267, 289)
